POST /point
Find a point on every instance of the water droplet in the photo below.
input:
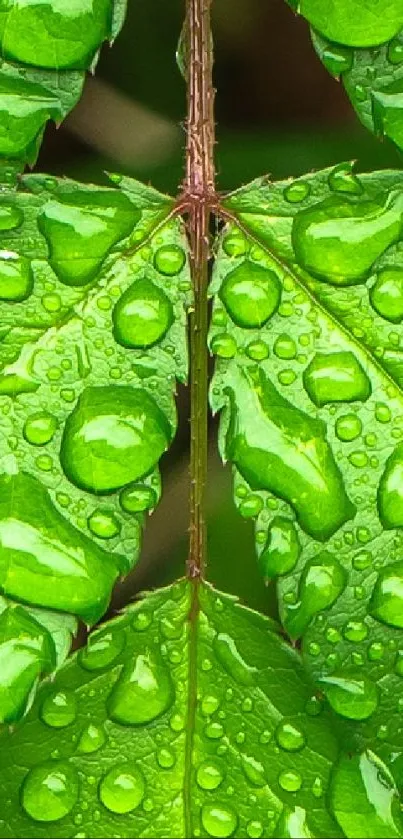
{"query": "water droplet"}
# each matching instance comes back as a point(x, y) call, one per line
point(292, 824)
point(114, 436)
point(224, 345)
point(235, 244)
point(11, 216)
point(254, 829)
point(219, 820)
point(251, 506)
point(214, 730)
point(290, 781)
point(387, 294)
point(382, 412)
point(44, 558)
point(297, 192)
point(251, 294)
point(209, 775)
point(395, 52)
point(232, 661)
point(342, 178)
point(81, 227)
point(289, 737)
point(122, 789)
point(142, 316)
point(16, 278)
point(166, 758)
point(40, 428)
point(137, 498)
point(257, 350)
point(352, 695)
point(103, 524)
point(253, 770)
point(92, 738)
point(142, 619)
point(143, 692)
point(322, 582)
point(169, 260)
point(336, 377)
point(348, 427)
point(355, 631)
point(285, 451)
point(375, 651)
point(285, 347)
point(103, 647)
point(390, 493)
point(364, 797)
point(387, 599)
point(282, 549)
point(50, 791)
point(59, 709)
point(338, 240)
point(209, 704)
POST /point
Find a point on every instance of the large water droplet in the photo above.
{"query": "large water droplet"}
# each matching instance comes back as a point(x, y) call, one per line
point(143, 315)
point(137, 499)
point(59, 709)
point(390, 493)
point(16, 278)
point(233, 662)
point(387, 294)
point(92, 738)
point(50, 791)
point(103, 647)
point(251, 294)
point(143, 692)
point(209, 775)
point(103, 524)
point(292, 824)
point(348, 427)
point(219, 820)
point(336, 377)
point(43, 559)
point(282, 549)
point(364, 798)
point(114, 436)
point(55, 35)
point(122, 789)
point(40, 428)
point(289, 737)
point(322, 582)
point(26, 651)
point(285, 451)
point(351, 694)
point(290, 781)
point(81, 227)
point(387, 598)
point(338, 240)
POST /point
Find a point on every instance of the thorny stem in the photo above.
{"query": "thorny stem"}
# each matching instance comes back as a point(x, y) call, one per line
point(199, 199)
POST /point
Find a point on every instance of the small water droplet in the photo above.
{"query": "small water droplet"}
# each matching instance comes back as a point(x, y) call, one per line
point(209, 704)
point(122, 789)
point(142, 316)
point(282, 549)
point(59, 709)
point(232, 661)
point(290, 781)
point(386, 294)
point(40, 428)
point(137, 498)
point(224, 345)
point(322, 582)
point(257, 350)
point(355, 631)
point(289, 737)
point(297, 192)
point(387, 599)
point(348, 427)
point(336, 377)
point(235, 244)
point(209, 775)
point(92, 738)
point(166, 758)
point(285, 347)
point(253, 770)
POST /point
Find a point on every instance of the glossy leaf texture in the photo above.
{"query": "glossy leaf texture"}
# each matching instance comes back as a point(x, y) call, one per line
point(362, 44)
point(94, 288)
point(187, 716)
point(45, 49)
point(307, 331)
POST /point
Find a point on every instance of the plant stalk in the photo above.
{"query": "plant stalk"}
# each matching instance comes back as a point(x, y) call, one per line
point(199, 197)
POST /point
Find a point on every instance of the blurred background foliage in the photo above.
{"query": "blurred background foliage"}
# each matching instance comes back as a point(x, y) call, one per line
point(279, 113)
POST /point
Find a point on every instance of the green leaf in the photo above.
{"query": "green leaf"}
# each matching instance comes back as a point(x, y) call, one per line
point(307, 329)
point(94, 291)
point(370, 65)
point(170, 726)
point(45, 51)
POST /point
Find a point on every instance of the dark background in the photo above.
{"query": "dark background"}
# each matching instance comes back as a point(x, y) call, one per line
point(279, 112)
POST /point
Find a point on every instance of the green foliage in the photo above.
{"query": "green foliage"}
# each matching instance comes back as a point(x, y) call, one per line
point(190, 715)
